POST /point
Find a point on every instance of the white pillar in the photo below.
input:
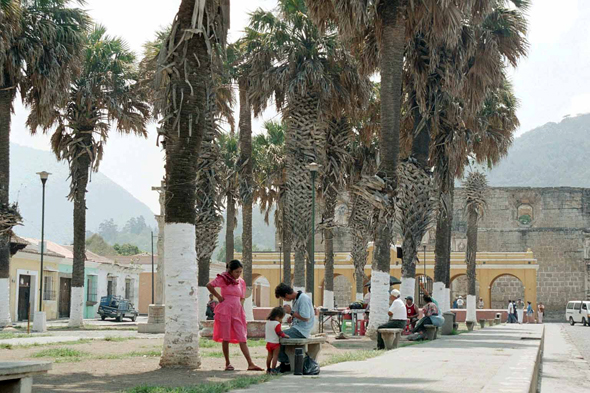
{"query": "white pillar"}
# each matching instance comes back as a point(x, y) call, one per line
point(379, 301)
point(328, 299)
point(248, 307)
point(77, 307)
point(408, 287)
point(471, 309)
point(438, 294)
point(5, 302)
point(40, 322)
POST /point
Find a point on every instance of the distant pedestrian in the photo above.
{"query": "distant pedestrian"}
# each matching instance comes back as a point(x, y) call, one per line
point(511, 318)
point(480, 304)
point(460, 302)
point(455, 306)
point(520, 310)
point(529, 313)
point(540, 312)
point(514, 312)
point(210, 313)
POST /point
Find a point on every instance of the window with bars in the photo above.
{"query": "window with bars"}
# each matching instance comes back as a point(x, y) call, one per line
point(48, 289)
point(91, 293)
point(129, 289)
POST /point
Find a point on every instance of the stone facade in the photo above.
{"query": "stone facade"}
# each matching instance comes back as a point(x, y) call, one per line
point(506, 288)
point(553, 222)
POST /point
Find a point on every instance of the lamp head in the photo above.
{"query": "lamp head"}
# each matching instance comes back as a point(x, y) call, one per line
point(314, 167)
point(44, 176)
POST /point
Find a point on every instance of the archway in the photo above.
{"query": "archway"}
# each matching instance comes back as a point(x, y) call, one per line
point(460, 287)
point(506, 287)
point(260, 291)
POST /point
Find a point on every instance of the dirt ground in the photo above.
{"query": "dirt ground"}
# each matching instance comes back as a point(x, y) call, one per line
point(112, 375)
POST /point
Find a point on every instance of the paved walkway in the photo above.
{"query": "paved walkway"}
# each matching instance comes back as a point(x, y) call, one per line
point(564, 370)
point(495, 359)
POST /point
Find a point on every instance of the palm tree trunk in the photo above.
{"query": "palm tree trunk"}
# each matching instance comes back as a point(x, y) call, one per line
point(181, 339)
point(208, 219)
point(470, 259)
point(328, 216)
point(442, 251)
point(360, 242)
point(80, 172)
point(286, 242)
point(246, 191)
point(229, 228)
point(6, 98)
point(393, 44)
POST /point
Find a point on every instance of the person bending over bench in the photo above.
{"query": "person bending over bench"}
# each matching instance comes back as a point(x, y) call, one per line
point(301, 319)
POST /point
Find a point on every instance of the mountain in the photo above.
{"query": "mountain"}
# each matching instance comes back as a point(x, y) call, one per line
point(552, 155)
point(105, 199)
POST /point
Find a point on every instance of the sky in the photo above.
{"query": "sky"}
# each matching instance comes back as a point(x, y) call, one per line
point(550, 83)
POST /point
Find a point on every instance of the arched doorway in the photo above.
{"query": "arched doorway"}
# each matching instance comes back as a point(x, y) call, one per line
point(460, 287)
point(506, 287)
point(260, 291)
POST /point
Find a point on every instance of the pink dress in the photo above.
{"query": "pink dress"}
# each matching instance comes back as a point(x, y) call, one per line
point(230, 318)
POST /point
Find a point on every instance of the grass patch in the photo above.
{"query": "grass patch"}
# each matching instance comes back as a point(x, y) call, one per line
point(60, 353)
point(119, 339)
point(5, 346)
point(9, 335)
point(69, 355)
point(208, 343)
point(213, 387)
point(353, 356)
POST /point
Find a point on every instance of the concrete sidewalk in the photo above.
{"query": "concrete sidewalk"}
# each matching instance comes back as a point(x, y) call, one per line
point(564, 370)
point(495, 359)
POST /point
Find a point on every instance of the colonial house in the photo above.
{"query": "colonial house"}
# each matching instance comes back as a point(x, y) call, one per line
point(102, 277)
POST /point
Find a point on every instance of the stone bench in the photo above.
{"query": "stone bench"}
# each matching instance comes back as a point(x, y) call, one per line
point(390, 337)
point(17, 377)
point(482, 323)
point(311, 346)
point(431, 332)
point(256, 329)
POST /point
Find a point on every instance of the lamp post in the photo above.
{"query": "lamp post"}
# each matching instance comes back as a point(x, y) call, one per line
point(44, 176)
point(153, 273)
point(313, 168)
point(280, 262)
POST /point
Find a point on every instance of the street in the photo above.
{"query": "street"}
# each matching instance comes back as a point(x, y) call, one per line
point(580, 338)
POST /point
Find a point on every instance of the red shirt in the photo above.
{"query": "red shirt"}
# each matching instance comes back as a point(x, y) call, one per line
point(412, 310)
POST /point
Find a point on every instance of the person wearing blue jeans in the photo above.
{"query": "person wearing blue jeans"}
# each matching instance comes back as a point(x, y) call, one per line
point(302, 318)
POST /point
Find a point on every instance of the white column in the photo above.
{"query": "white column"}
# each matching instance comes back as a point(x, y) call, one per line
point(379, 301)
point(328, 299)
point(248, 307)
point(5, 302)
point(408, 287)
point(471, 309)
point(438, 294)
point(77, 307)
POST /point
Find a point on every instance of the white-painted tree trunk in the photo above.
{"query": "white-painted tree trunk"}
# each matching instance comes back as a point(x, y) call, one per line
point(328, 299)
point(408, 287)
point(379, 301)
point(77, 307)
point(438, 294)
point(471, 309)
point(248, 308)
point(181, 338)
point(447, 300)
point(296, 289)
point(203, 299)
point(359, 297)
point(5, 302)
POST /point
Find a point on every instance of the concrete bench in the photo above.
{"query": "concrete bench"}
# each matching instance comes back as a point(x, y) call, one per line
point(256, 329)
point(431, 332)
point(390, 337)
point(17, 377)
point(311, 346)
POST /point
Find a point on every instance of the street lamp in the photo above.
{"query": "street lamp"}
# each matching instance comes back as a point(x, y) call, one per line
point(44, 176)
point(313, 168)
point(280, 244)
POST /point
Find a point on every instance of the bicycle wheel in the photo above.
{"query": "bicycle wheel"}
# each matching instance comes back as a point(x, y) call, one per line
point(336, 328)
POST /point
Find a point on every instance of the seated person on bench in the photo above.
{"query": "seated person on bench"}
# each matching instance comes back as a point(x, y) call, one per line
point(412, 311)
point(301, 319)
point(431, 317)
point(397, 315)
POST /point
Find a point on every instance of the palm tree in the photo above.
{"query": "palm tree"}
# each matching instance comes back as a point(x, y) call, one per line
point(377, 31)
point(103, 93)
point(271, 178)
point(309, 74)
point(475, 205)
point(40, 46)
point(229, 183)
point(184, 82)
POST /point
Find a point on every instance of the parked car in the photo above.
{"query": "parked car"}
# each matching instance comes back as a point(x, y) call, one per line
point(116, 307)
point(578, 312)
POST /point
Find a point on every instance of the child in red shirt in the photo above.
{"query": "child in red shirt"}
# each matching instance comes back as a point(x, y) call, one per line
point(273, 335)
point(412, 311)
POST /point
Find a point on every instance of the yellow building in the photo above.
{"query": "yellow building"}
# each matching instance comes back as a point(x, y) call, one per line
point(491, 266)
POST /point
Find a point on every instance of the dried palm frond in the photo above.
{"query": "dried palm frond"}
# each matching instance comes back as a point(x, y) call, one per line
point(9, 218)
point(476, 185)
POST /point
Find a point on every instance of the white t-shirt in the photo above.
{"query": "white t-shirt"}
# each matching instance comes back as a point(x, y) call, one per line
point(270, 333)
point(398, 310)
point(460, 302)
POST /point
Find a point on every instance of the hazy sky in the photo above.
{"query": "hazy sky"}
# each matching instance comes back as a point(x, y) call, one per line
point(550, 83)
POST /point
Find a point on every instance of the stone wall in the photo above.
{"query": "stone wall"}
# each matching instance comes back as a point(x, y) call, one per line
point(342, 291)
point(506, 288)
point(557, 234)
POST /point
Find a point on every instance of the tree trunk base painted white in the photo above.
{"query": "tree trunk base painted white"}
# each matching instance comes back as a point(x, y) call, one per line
point(77, 307)
point(40, 322)
point(447, 300)
point(471, 309)
point(408, 287)
point(438, 294)
point(5, 302)
point(181, 339)
point(328, 299)
point(296, 289)
point(248, 308)
point(203, 299)
point(379, 302)
point(359, 297)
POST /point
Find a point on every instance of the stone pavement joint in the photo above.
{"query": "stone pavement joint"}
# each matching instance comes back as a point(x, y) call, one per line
point(496, 359)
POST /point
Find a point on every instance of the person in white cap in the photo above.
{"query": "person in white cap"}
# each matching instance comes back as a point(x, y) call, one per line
point(398, 316)
point(460, 302)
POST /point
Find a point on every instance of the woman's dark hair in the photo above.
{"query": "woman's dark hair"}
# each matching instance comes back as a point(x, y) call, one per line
point(427, 299)
point(233, 265)
point(282, 290)
point(277, 312)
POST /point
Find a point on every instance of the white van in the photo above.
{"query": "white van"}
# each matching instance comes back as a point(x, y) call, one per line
point(578, 312)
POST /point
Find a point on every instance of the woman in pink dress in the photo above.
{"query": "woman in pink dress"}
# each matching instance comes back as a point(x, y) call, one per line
point(230, 319)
